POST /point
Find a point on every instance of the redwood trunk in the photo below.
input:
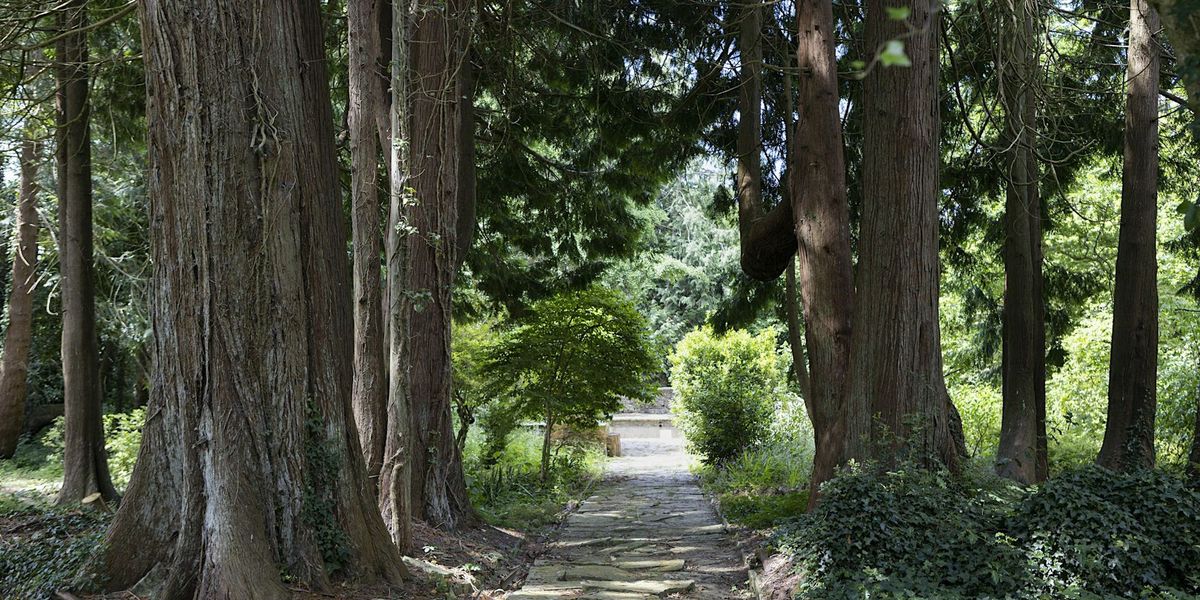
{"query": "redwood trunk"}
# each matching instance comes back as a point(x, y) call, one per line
point(795, 330)
point(1133, 367)
point(1022, 451)
point(439, 490)
point(898, 406)
point(85, 466)
point(395, 477)
point(250, 468)
point(766, 237)
point(822, 219)
point(19, 335)
point(366, 101)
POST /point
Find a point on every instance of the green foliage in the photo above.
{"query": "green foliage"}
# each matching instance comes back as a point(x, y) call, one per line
point(726, 388)
point(919, 534)
point(122, 439)
point(506, 486)
point(905, 533)
point(319, 504)
point(572, 360)
point(1110, 534)
point(44, 550)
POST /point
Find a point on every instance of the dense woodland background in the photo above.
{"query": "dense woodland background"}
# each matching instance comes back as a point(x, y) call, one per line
point(942, 256)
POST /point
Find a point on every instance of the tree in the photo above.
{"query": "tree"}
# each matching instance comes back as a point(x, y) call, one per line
point(85, 467)
point(1133, 368)
point(17, 338)
point(572, 361)
point(367, 119)
point(896, 382)
point(1022, 451)
point(250, 467)
point(439, 489)
point(821, 214)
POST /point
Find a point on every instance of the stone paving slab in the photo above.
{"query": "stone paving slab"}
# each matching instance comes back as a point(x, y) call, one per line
point(648, 532)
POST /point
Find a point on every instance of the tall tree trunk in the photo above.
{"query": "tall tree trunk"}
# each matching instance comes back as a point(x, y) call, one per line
point(1133, 367)
point(250, 467)
point(15, 368)
point(795, 330)
point(1022, 452)
point(898, 398)
point(822, 218)
point(439, 490)
point(367, 93)
point(767, 238)
point(395, 477)
point(85, 466)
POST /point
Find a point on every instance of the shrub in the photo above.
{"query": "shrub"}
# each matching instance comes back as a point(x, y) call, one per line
point(1111, 533)
point(1087, 534)
point(904, 533)
point(726, 388)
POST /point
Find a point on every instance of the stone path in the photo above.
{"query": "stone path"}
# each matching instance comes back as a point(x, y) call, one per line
point(648, 532)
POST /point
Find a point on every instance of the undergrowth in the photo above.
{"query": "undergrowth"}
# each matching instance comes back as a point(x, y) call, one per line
point(510, 492)
point(910, 533)
point(45, 549)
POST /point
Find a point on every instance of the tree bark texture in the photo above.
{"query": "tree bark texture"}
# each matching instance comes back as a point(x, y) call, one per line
point(439, 490)
point(820, 211)
point(367, 95)
point(795, 330)
point(250, 467)
point(1133, 366)
point(395, 476)
point(85, 466)
point(1022, 451)
point(766, 237)
point(898, 400)
point(15, 367)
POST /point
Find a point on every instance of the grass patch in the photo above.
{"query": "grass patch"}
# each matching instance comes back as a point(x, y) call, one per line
point(762, 487)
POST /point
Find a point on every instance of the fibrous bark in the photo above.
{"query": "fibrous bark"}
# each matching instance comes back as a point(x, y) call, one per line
point(15, 368)
point(439, 491)
point(1022, 452)
point(822, 226)
point(1133, 366)
point(85, 466)
point(367, 89)
point(767, 238)
point(250, 467)
point(898, 399)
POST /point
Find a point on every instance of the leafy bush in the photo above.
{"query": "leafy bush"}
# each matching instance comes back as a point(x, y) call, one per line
point(726, 388)
point(1111, 534)
point(911, 533)
point(45, 550)
point(905, 533)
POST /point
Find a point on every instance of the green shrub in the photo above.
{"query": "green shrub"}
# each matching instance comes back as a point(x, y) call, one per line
point(1111, 533)
point(905, 533)
point(917, 534)
point(726, 388)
